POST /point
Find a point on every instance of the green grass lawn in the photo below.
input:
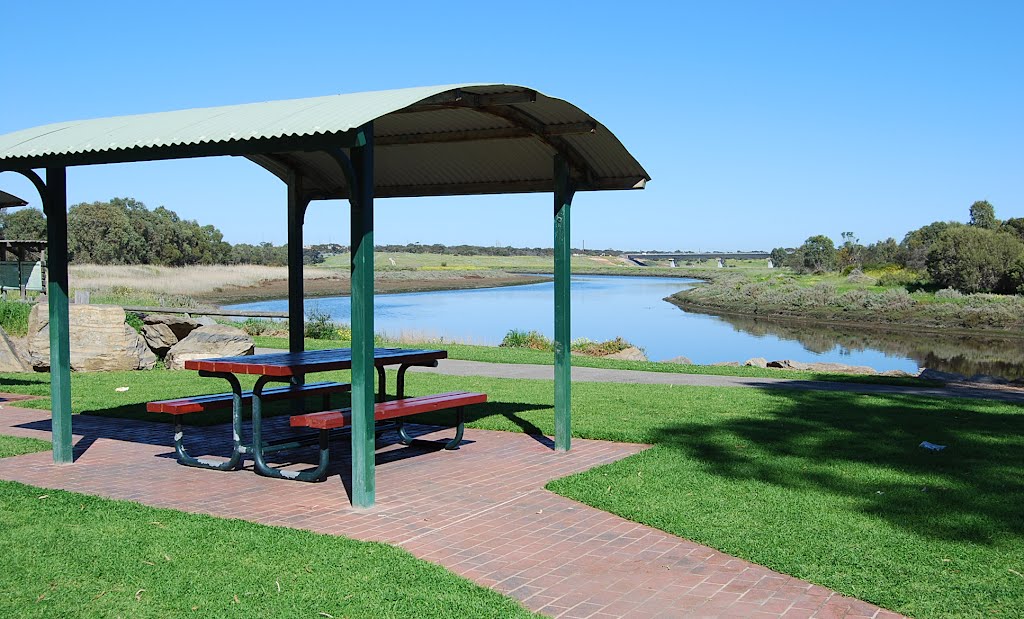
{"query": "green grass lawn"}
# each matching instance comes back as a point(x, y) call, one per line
point(497, 354)
point(829, 487)
point(72, 555)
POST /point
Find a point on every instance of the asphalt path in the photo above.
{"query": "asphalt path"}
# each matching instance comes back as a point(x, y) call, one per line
point(457, 367)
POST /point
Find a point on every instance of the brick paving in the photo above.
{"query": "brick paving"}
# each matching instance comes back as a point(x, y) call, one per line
point(480, 511)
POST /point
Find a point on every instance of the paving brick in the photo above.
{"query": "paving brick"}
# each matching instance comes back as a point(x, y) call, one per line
point(480, 511)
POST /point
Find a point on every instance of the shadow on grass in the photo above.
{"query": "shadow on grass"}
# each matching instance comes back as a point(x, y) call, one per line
point(866, 449)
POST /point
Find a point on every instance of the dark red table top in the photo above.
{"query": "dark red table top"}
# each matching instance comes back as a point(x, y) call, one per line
point(288, 364)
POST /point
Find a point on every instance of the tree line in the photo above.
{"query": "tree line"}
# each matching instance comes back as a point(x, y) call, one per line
point(125, 231)
point(983, 255)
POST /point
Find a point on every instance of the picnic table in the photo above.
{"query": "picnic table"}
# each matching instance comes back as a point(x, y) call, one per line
point(291, 368)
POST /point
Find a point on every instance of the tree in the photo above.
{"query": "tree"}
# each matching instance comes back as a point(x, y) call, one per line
point(983, 215)
point(27, 224)
point(917, 243)
point(850, 253)
point(1014, 226)
point(882, 254)
point(973, 259)
point(818, 253)
point(778, 256)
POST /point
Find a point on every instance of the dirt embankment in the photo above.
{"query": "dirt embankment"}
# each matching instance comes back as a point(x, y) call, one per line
point(278, 288)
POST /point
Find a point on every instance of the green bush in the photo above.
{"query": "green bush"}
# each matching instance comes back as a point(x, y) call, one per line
point(975, 259)
point(134, 321)
point(584, 346)
point(320, 326)
point(14, 317)
point(526, 339)
point(904, 278)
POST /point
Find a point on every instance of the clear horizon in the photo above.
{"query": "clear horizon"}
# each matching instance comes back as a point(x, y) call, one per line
point(761, 125)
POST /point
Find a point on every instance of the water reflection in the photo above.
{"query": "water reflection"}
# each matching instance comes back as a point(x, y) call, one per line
point(604, 307)
point(966, 354)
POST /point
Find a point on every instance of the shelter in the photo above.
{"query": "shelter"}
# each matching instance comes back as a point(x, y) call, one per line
point(7, 200)
point(430, 141)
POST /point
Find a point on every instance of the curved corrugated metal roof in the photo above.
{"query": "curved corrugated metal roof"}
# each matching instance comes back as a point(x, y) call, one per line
point(7, 199)
point(433, 140)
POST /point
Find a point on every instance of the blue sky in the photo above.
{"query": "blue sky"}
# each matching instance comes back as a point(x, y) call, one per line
point(761, 123)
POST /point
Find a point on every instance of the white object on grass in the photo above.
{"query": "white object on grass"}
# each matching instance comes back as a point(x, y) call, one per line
point(931, 446)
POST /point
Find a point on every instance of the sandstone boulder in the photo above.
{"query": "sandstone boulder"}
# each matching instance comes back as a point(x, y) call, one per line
point(12, 359)
point(679, 360)
point(756, 362)
point(986, 379)
point(897, 373)
point(209, 342)
point(787, 364)
point(179, 325)
point(726, 364)
point(629, 354)
point(840, 368)
point(945, 377)
point(100, 340)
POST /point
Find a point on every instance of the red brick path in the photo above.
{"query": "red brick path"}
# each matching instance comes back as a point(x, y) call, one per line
point(480, 511)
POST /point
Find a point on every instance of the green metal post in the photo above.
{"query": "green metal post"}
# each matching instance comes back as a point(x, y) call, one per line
point(364, 486)
point(56, 204)
point(296, 312)
point(563, 255)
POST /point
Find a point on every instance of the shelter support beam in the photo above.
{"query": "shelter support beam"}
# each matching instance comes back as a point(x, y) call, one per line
point(563, 272)
point(364, 486)
point(55, 201)
point(296, 312)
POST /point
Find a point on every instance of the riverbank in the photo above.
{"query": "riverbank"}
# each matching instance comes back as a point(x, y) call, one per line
point(852, 301)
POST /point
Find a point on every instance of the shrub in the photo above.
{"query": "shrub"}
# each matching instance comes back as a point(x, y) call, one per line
point(526, 339)
point(974, 259)
point(584, 346)
point(902, 277)
point(134, 321)
point(948, 293)
point(319, 326)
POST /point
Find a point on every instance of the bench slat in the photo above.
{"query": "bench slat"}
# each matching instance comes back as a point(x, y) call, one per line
point(215, 401)
point(329, 420)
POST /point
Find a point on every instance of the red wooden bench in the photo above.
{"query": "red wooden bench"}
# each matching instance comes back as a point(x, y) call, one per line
point(200, 403)
point(326, 421)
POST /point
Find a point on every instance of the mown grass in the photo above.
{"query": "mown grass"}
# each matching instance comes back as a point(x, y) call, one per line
point(829, 487)
point(72, 555)
point(18, 445)
point(496, 354)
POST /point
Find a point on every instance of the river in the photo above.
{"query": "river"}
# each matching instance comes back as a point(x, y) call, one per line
point(604, 307)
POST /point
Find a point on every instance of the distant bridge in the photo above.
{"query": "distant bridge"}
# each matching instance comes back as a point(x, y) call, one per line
point(746, 255)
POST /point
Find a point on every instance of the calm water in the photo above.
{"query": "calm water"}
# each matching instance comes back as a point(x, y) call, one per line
point(604, 307)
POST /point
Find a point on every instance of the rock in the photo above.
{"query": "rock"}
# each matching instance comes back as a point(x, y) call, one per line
point(985, 379)
point(100, 340)
point(179, 325)
point(726, 364)
point(205, 321)
point(898, 373)
point(208, 342)
point(679, 360)
point(629, 354)
point(756, 362)
point(841, 368)
point(787, 364)
point(945, 377)
point(159, 337)
point(12, 359)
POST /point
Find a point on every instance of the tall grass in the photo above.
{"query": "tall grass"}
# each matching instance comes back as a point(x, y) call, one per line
point(183, 281)
point(14, 317)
